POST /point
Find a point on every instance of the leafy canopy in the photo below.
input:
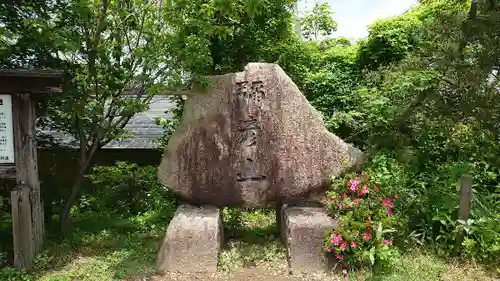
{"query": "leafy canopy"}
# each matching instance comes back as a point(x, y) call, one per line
point(318, 23)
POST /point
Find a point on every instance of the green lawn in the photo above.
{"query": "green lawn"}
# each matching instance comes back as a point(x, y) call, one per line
point(125, 249)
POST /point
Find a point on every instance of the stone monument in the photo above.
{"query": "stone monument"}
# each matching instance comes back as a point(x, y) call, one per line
point(250, 139)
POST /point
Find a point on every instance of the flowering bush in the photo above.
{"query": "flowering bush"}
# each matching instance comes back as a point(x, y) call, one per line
point(365, 223)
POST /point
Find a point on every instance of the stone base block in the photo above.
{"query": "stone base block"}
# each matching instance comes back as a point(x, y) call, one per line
point(303, 231)
point(193, 241)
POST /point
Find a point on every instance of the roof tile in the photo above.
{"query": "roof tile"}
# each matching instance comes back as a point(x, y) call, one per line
point(142, 127)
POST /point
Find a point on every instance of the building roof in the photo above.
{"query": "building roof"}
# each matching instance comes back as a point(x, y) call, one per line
point(145, 133)
point(143, 126)
point(30, 73)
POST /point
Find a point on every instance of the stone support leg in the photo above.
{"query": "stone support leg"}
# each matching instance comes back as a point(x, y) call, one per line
point(302, 231)
point(193, 240)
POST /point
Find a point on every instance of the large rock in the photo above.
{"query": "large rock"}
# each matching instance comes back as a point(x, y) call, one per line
point(252, 138)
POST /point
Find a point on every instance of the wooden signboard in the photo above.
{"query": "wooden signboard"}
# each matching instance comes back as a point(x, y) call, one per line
point(7, 168)
point(18, 89)
point(6, 133)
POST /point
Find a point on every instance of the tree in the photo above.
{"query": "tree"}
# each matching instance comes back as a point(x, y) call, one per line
point(118, 56)
point(389, 40)
point(318, 23)
point(25, 40)
point(424, 111)
point(232, 33)
point(225, 35)
point(334, 42)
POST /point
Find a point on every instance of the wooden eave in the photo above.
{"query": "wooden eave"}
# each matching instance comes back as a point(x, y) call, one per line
point(23, 81)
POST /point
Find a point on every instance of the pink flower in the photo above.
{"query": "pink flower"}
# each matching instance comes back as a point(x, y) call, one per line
point(387, 202)
point(366, 236)
point(329, 249)
point(339, 257)
point(364, 190)
point(353, 244)
point(343, 245)
point(389, 211)
point(396, 196)
point(369, 218)
point(356, 201)
point(353, 185)
point(388, 242)
point(346, 196)
point(336, 239)
point(374, 227)
point(340, 206)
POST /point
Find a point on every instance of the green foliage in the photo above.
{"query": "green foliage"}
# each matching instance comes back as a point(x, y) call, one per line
point(389, 40)
point(365, 213)
point(233, 220)
point(418, 100)
point(116, 62)
point(14, 274)
point(330, 91)
point(419, 95)
point(252, 238)
point(125, 189)
point(42, 261)
point(225, 35)
point(5, 235)
point(116, 229)
point(297, 58)
point(115, 55)
point(106, 246)
point(328, 43)
point(218, 37)
point(170, 124)
point(318, 23)
point(393, 39)
point(27, 40)
point(3, 259)
point(7, 273)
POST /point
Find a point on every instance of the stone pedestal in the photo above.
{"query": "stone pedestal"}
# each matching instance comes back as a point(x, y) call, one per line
point(303, 231)
point(193, 240)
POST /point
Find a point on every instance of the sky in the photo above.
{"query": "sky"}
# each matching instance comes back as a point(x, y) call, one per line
point(353, 16)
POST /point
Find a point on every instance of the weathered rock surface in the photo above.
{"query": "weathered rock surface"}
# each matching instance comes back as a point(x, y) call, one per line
point(193, 240)
point(252, 138)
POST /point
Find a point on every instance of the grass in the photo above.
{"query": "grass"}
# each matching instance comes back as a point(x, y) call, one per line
point(252, 239)
point(422, 266)
point(114, 248)
point(106, 248)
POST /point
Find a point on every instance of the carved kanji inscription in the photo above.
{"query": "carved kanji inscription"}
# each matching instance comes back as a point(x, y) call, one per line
point(248, 94)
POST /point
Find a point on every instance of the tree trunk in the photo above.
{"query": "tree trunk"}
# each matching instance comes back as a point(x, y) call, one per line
point(48, 209)
point(86, 157)
point(70, 202)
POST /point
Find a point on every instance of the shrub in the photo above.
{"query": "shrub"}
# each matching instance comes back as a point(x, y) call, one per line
point(366, 225)
point(428, 204)
point(14, 274)
point(126, 189)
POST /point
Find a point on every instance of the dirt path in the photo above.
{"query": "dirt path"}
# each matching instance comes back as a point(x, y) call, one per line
point(247, 274)
point(275, 272)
